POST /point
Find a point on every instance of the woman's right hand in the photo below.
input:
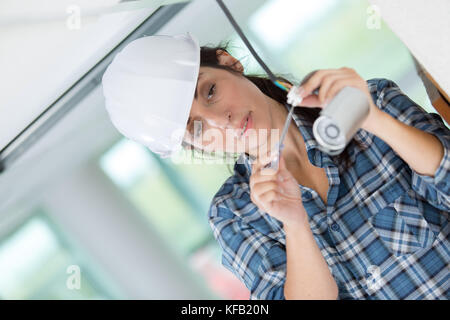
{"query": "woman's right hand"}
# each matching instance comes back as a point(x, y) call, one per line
point(277, 193)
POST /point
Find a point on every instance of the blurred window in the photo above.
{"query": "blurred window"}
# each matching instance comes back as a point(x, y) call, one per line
point(35, 263)
point(175, 200)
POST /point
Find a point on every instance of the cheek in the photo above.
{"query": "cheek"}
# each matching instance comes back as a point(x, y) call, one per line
point(242, 97)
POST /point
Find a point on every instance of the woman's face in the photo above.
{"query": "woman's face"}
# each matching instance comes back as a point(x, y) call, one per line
point(225, 104)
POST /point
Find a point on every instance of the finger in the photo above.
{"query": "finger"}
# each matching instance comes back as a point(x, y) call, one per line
point(314, 81)
point(261, 188)
point(283, 173)
point(268, 197)
point(326, 85)
point(256, 167)
point(263, 175)
point(310, 101)
point(266, 156)
point(258, 204)
point(269, 171)
point(266, 160)
point(259, 178)
point(256, 201)
point(260, 163)
point(337, 86)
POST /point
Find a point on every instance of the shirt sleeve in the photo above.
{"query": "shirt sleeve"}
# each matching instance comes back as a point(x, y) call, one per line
point(389, 98)
point(255, 259)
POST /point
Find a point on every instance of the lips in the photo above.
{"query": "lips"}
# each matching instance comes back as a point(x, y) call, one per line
point(245, 124)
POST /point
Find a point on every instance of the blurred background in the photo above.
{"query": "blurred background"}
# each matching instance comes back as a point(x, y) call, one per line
point(74, 192)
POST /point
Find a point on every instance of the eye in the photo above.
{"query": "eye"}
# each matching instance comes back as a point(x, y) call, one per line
point(211, 90)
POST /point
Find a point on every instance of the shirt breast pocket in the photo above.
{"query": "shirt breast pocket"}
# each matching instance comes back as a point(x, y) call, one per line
point(397, 217)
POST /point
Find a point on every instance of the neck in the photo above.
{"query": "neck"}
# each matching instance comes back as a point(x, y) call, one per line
point(294, 151)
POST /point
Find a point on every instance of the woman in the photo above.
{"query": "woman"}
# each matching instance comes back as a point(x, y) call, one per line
point(371, 223)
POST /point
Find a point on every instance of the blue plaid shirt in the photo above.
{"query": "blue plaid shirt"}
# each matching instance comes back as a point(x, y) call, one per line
point(384, 232)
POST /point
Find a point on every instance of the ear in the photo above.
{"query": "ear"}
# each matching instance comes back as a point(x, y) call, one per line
point(226, 59)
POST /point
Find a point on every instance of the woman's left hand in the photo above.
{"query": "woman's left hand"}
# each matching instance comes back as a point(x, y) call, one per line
point(331, 81)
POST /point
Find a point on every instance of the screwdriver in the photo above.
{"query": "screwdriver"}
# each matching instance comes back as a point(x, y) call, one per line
point(294, 99)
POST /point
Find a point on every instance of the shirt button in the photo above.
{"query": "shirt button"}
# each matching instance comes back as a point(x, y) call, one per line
point(335, 227)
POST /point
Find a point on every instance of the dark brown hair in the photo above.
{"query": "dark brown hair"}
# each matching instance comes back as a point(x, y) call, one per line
point(208, 58)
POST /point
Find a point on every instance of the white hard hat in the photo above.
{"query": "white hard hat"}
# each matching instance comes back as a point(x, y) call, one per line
point(149, 88)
